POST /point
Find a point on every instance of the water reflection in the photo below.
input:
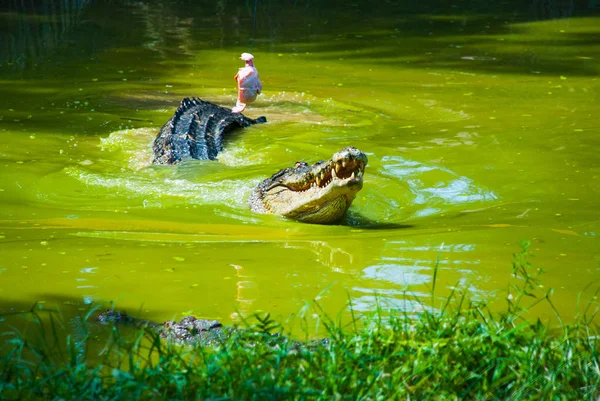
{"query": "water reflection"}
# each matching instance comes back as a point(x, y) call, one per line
point(176, 30)
point(337, 256)
point(86, 271)
point(434, 187)
point(246, 293)
point(33, 29)
point(369, 303)
point(402, 277)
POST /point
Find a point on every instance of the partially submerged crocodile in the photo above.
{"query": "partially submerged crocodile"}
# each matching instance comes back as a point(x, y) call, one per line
point(194, 332)
point(189, 330)
point(320, 193)
point(196, 131)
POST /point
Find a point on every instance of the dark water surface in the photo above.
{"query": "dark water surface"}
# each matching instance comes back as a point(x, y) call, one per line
point(480, 123)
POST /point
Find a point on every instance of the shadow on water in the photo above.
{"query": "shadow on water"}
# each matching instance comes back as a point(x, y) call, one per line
point(372, 225)
point(45, 323)
point(362, 222)
point(68, 306)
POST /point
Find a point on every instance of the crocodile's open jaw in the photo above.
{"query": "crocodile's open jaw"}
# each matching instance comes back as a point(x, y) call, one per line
point(320, 193)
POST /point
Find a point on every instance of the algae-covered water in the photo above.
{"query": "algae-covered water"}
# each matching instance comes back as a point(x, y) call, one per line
point(480, 123)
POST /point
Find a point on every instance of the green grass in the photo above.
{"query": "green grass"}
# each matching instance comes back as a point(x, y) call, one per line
point(459, 350)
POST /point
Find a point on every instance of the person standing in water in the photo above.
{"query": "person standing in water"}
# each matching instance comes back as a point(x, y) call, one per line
point(249, 85)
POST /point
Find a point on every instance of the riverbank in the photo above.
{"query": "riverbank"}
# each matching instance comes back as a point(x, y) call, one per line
point(458, 349)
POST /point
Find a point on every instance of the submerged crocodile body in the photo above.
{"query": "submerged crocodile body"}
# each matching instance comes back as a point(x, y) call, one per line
point(196, 131)
point(193, 332)
point(321, 193)
point(189, 330)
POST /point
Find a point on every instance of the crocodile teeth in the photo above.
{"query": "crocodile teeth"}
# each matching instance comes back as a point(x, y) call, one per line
point(353, 176)
point(333, 175)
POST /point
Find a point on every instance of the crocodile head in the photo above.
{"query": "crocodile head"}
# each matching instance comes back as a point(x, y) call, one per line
point(320, 193)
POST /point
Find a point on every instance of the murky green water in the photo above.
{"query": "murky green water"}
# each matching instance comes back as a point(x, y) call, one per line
point(481, 127)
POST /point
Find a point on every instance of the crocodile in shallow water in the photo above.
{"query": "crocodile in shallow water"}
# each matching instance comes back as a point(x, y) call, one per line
point(189, 330)
point(196, 131)
point(320, 193)
point(193, 332)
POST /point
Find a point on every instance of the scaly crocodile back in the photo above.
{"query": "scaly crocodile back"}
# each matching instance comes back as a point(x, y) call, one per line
point(196, 131)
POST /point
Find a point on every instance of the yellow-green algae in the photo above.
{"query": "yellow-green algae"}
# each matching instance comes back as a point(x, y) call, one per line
point(481, 130)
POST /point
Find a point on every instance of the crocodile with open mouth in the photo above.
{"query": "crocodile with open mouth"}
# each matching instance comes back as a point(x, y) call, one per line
point(320, 193)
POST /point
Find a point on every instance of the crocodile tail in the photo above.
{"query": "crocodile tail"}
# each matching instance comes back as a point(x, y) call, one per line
point(196, 130)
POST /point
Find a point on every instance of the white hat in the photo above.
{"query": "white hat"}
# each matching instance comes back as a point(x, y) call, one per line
point(246, 56)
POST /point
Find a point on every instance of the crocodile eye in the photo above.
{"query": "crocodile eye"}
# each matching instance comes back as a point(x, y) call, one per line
point(300, 164)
